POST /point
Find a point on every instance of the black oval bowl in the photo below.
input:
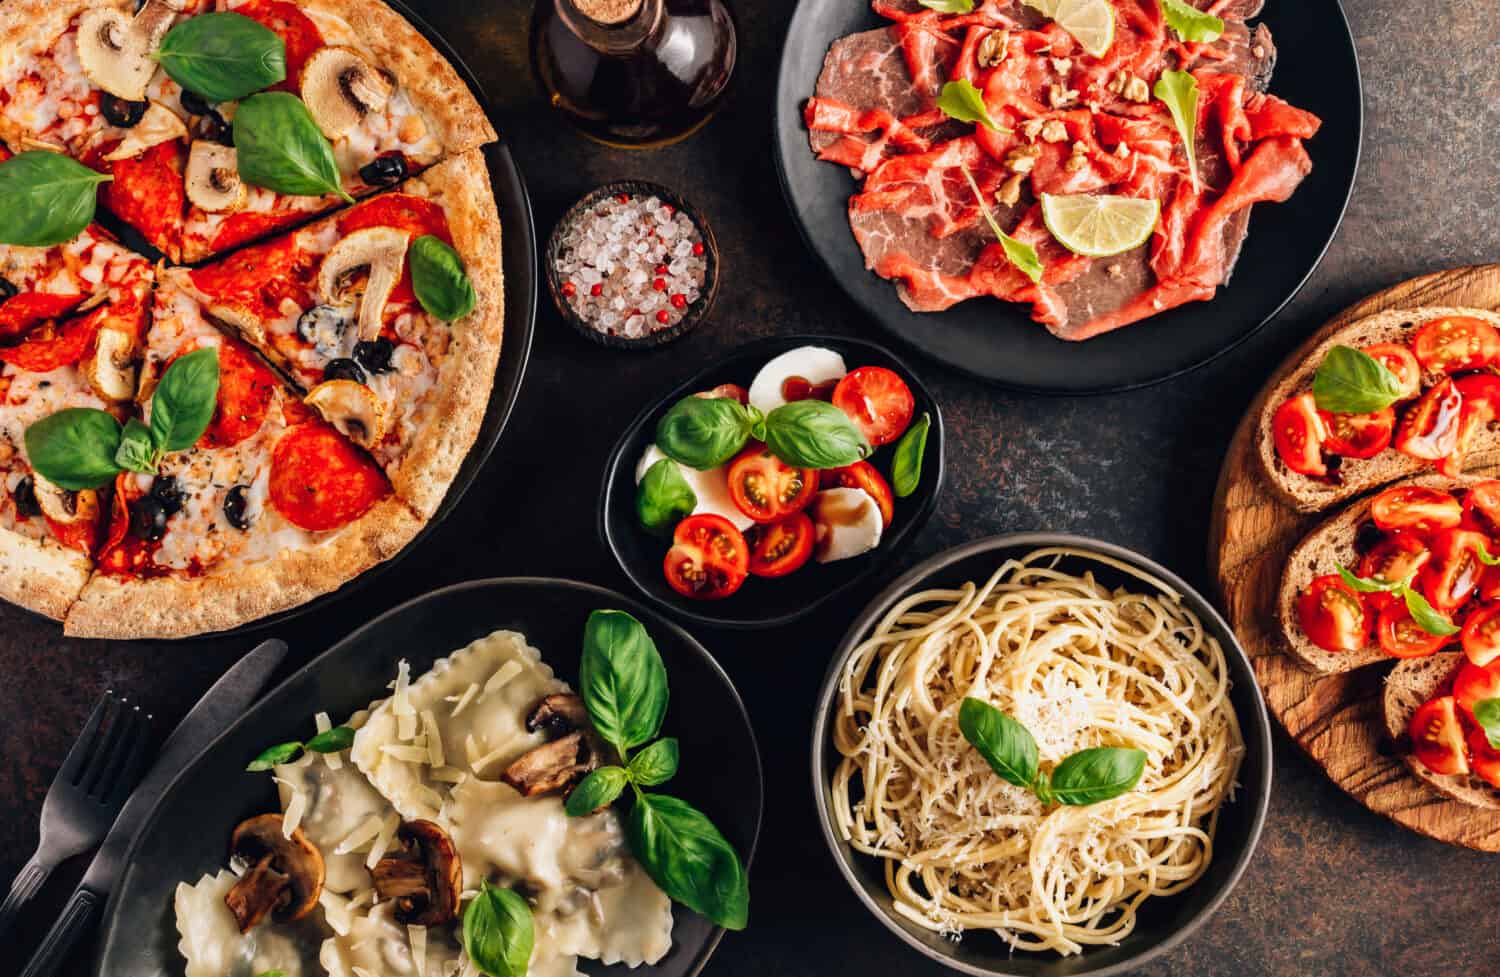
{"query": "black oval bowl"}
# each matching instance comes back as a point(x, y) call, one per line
point(696, 312)
point(187, 832)
point(1162, 922)
point(763, 603)
point(1317, 69)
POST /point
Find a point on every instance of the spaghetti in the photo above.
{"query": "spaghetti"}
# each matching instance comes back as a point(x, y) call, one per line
point(1079, 665)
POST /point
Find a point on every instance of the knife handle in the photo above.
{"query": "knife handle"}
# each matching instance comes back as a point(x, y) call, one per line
point(74, 921)
point(22, 889)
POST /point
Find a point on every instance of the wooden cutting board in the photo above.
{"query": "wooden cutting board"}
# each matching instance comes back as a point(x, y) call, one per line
point(1335, 718)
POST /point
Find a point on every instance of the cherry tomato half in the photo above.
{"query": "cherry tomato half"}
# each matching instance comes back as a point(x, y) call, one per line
point(1450, 578)
point(767, 489)
point(1358, 435)
point(1398, 556)
point(863, 475)
point(1437, 738)
point(1401, 362)
point(1299, 432)
point(783, 547)
point(708, 559)
point(1332, 615)
point(1481, 395)
point(1481, 636)
point(1482, 509)
point(1413, 507)
point(1453, 344)
point(878, 401)
point(1472, 685)
point(727, 391)
point(1484, 760)
point(1429, 430)
point(1402, 637)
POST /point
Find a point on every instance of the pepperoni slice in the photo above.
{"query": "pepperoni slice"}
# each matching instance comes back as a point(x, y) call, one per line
point(20, 313)
point(122, 554)
point(300, 35)
point(51, 346)
point(320, 481)
point(257, 279)
point(246, 386)
point(147, 193)
point(248, 225)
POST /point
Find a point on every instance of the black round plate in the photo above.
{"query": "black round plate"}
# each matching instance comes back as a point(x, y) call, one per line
point(1316, 69)
point(763, 603)
point(1162, 922)
point(187, 833)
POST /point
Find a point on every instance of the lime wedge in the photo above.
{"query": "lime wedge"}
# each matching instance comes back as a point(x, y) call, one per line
point(1044, 7)
point(1091, 22)
point(1099, 226)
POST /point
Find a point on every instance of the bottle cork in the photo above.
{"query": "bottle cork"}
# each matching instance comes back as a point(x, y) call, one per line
point(608, 11)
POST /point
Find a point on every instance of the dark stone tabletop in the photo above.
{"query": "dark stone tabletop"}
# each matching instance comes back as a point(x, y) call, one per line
point(1333, 890)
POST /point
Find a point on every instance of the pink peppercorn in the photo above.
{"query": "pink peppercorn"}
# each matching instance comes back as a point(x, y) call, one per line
point(662, 317)
point(569, 289)
point(697, 247)
point(598, 289)
point(660, 284)
point(679, 301)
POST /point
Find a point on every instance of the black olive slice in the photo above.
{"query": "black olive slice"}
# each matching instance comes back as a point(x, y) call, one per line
point(211, 127)
point(164, 490)
point(121, 112)
point(148, 518)
point(236, 508)
point(194, 104)
point(25, 497)
point(343, 368)
point(384, 170)
point(375, 355)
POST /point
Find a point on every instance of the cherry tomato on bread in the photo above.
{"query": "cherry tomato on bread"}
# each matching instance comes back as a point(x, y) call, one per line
point(1333, 616)
point(1403, 365)
point(1484, 760)
point(1415, 508)
point(708, 559)
point(1299, 433)
point(1482, 509)
point(783, 547)
point(1398, 556)
point(1402, 637)
point(1358, 435)
point(863, 475)
point(1429, 430)
point(1472, 685)
point(1481, 396)
point(1437, 737)
point(1456, 343)
point(878, 401)
point(767, 489)
point(1450, 577)
point(1481, 636)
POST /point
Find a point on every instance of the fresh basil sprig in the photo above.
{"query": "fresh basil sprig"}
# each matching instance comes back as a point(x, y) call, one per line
point(1422, 612)
point(814, 434)
point(75, 448)
point(184, 401)
point(49, 198)
point(1487, 715)
point(906, 463)
point(1087, 777)
point(664, 497)
point(1190, 23)
point(137, 451)
point(280, 147)
point(962, 101)
point(703, 432)
point(499, 933)
point(439, 279)
point(223, 56)
point(1179, 91)
point(334, 740)
point(1351, 381)
point(623, 683)
point(1018, 252)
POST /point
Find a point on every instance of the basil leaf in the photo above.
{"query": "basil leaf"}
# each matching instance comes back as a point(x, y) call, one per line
point(656, 764)
point(703, 432)
point(223, 56)
point(1349, 381)
point(275, 756)
point(757, 422)
point(906, 464)
point(664, 497)
point(596, 790)
point(499, 933)
point(1370, 585)
point(962, 101)
point(1096, 774)
point(814, 434)
point(622, 679)
point(334, 740)
point(949, 6)
point(1190, 23)
point(280, 147)
point(439, 279)
point(1179, 90)
point(1018, 253)
point(1006, 745)
point(185, 399)
point(49, 199)
point(1427, 619)
point(1487, 715)
point(74, 448)
point(137, 451)
point(689, 859)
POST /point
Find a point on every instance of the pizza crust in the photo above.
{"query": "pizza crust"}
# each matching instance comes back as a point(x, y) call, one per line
point(179, 607)
point(40, 575)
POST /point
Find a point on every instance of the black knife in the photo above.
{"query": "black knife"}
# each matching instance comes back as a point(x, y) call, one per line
point(219, 707)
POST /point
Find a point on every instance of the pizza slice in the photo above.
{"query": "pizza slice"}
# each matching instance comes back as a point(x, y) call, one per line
point(348, 91)
point(388, 316)
point(267, 508)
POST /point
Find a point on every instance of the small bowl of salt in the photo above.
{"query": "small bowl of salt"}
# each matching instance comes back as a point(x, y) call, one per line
point(632, 265)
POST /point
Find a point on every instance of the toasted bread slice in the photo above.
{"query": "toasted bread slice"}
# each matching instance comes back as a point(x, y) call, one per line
point(1410, 684)
point(1357, 476)
point(1334, 544)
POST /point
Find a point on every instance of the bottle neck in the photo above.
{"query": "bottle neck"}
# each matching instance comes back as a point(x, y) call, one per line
point(612, 26)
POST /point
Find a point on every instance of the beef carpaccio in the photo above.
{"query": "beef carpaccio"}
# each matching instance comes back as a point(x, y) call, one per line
point(1069, 123)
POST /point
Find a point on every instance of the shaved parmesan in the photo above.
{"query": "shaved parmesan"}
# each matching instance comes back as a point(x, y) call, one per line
point(406, 754)
point(406, 716)
point(383, 840)
point(335, 911)
point(324, 724)
point(489, 758)
point(502, 676)
point(464, 700)
point(434, 739)
point(447, 775)
point(417, 935)
point(361, 836)
point(295, 808)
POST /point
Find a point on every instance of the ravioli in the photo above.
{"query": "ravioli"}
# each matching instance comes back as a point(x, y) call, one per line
point(214, 947)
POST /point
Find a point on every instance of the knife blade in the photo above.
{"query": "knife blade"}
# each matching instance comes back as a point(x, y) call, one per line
point(219, 707)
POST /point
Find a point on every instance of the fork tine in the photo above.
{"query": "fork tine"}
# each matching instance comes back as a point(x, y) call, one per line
point(84, 746)
point(108, 759)
point(128, 773)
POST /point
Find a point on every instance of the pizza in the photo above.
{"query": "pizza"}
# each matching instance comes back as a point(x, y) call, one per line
point(187, 449)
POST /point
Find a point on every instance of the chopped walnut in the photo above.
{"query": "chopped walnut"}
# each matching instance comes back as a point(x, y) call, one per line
point(1075, 163)
point(994, 48)
point(1130, 87)
point(1259, 51)
point(1053, 130)
point(1062, 65)
point(1032, 128)
point(1022, 158)
point(1009, 193)
point(1061, 96)
point(1115, 271)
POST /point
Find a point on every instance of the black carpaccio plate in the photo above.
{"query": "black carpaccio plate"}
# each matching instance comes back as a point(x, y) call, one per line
point(187, 833)
point(1316, 69)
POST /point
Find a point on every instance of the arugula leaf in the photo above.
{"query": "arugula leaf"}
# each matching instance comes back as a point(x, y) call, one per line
point(137, 451)
point(949, 6)
point(222, 56)
point(1021, 254)
point(596, 790)
point(906, 463)
point(1487, 715)
point(814, 434)
point(49, 198)
point(656, 764)
point(622, 679)
point(1006, 745)
point(1350, 381)
point(75, 448)
point(275, 756)
point(689, 859)
point(1427, 618)
point(1190, 23)
point(280, 147)
point(1179, 90)
point(439, 279)
point(499, 933)
point(184, 401)
point(664, 497)
point(1096, 774)
point(962, 101)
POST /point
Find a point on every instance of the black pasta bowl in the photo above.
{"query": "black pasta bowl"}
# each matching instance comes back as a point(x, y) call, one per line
point(1162, 922)
point(762, 603)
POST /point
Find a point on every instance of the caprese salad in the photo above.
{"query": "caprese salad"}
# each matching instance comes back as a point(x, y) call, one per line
point(760, 481)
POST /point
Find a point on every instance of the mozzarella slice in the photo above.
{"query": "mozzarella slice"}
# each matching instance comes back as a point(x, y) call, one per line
point(815, 364)
point(711, 488)
point(847, 522)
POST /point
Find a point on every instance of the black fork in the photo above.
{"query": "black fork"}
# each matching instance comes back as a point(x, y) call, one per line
point(101, 770)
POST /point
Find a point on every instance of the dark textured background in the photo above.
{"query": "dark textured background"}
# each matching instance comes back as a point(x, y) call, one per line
point(1334, 890)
